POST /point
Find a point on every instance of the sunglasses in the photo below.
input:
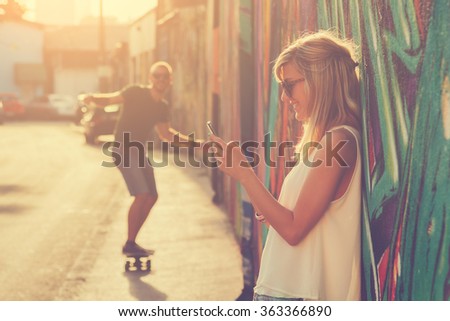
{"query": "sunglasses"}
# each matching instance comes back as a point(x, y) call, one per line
point(161, 76)
point(288, 86)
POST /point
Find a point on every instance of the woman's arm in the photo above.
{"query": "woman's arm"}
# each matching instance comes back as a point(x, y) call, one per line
point(318, 190)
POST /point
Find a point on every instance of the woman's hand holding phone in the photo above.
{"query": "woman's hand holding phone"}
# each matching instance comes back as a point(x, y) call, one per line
point(230, 158)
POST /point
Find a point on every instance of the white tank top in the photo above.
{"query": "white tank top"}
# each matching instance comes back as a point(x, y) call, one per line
point(325, 265)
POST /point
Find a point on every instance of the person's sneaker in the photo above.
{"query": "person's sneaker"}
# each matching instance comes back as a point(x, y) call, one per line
point(131, 248)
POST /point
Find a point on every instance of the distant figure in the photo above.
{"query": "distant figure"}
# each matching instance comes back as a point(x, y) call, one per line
point(143, 109)
point(313, 247)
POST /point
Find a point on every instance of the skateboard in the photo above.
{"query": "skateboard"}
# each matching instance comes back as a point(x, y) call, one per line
point(138, 262)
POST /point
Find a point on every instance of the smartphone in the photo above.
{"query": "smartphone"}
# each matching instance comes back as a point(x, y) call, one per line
point(211, 128)
point(215, 145)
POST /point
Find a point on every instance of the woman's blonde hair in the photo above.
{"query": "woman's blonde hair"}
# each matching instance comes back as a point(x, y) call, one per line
point(328, 64)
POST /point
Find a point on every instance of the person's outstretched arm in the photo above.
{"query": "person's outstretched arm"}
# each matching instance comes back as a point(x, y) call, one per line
point(102, 100)
point(168, 134)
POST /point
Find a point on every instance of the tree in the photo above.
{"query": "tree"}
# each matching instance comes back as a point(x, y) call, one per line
point(12, 9)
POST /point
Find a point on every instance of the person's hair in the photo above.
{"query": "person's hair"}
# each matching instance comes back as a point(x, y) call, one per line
point(158, 64)
point(328, 64)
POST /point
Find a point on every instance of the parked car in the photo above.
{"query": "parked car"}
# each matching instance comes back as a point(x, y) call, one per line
point(98, 121)
point(52, 106)
point(2, 114)
point(40, 108)
point(65, 105)
point(11, 105)
point(81, 109)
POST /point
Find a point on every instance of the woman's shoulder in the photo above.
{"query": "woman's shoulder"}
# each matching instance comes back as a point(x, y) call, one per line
point(348, 132)
point(345, 131)
point(339, 143)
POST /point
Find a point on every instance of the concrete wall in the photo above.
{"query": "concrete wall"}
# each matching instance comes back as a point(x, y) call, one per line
point(74, 81)
point(142, 39)
point(182, 35)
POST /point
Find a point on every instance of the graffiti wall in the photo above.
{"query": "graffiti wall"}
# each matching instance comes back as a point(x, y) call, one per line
point(404, 85)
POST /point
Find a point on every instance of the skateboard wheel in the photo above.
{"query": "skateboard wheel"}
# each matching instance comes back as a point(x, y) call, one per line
point(138, 264)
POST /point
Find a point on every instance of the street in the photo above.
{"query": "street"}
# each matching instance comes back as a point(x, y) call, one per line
point(63, 222)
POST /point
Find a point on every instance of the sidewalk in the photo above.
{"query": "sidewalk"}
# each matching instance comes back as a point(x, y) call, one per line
point(197, 256)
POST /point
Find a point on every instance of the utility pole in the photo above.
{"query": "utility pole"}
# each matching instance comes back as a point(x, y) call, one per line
point(103, 68)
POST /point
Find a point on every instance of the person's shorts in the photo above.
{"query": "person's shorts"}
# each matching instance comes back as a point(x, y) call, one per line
point(139, 179)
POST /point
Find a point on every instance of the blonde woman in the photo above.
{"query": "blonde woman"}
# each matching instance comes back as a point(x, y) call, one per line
point(312, 250)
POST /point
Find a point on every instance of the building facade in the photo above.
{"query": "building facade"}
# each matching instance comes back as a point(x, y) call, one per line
point(142, 42)
point(22, 62)
point(73, 59)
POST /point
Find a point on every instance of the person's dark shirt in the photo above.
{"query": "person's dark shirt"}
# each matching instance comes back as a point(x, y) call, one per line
point(139, 114)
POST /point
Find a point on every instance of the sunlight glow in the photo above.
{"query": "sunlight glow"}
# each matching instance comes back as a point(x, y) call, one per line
point(69, 12)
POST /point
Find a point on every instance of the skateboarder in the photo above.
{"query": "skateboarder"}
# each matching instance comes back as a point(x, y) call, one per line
point(143, 109)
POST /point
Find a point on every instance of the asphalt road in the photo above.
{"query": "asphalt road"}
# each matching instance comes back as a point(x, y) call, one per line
point(62, 215)
point(54, 195)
